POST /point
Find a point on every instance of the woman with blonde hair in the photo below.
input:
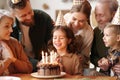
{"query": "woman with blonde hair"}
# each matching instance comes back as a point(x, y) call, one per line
point(79, 23)
point(12, 56)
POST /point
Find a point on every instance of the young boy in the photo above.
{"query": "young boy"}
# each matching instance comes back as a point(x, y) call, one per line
point(111, 39)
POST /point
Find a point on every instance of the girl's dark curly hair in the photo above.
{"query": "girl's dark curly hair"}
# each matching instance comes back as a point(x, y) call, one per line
point(69, 34)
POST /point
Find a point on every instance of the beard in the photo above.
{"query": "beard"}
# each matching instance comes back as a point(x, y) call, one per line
point(29, 23)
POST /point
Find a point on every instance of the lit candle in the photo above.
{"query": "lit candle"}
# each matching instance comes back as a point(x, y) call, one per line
point(55, 55)
point(43, 59)
point(51, 56)
point(46, 57)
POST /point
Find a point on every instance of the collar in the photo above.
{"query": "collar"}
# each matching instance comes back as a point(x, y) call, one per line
point(84, 29)
point(112, 52)
point(68, 55)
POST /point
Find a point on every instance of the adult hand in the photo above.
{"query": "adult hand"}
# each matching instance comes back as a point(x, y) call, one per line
point(103, 64)
point(8, 54)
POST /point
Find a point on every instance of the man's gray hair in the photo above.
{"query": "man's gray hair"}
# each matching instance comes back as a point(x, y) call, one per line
point(113, 4)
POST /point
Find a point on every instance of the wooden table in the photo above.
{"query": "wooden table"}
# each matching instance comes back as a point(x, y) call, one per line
point(29, 77)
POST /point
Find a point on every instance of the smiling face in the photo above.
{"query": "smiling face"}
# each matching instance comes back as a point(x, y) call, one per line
point(25, 15)
point(60, 41)
point(78, 21)
point(5, 27)
point(102, 15)
point(111, 39)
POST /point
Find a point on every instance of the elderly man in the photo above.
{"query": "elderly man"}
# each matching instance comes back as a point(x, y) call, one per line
point(104, 13)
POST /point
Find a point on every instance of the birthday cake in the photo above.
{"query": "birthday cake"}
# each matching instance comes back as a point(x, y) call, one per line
point(48, 69)
point(48, 66)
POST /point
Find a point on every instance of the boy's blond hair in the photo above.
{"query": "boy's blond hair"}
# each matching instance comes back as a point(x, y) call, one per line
point(116, 28)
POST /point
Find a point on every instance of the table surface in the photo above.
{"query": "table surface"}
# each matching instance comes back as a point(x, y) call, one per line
point(67, 76)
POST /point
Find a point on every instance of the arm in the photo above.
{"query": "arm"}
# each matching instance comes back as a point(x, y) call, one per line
point(94, 57)
point(104, 64)
point(4, 64)
point(87, 44)
point(86, 48)
point(58, 60)
point(78, 67)
point(94, 54)
point(21, 63)
point(116, 68)
point(98, 49)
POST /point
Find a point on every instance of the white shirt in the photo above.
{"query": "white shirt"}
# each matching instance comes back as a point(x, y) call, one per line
point(26, 41)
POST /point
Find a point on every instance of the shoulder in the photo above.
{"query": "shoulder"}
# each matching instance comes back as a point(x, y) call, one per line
point(78, 39)
point(90, 31)
point(88, 28)
point(42, 17)
point(96, 29)
point(12, 41)
point(74, 56)
point(40, 13)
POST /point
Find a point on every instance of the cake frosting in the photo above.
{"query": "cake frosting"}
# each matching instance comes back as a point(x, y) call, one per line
point(48, 69)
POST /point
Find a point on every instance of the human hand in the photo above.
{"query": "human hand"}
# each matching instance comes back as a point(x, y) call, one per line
point(116, 69)
point(38, 64)
point(59, 61)
point(103, 64)
point(8, 54)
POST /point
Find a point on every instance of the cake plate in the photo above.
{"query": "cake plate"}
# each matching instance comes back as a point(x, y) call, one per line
point(9, 78)
point(35, 74)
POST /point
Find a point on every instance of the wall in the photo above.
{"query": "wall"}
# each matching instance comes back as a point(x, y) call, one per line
point(53, 6)
point(3, 4)
point(57, 5)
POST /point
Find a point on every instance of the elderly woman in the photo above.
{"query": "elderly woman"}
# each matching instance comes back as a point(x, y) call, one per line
point(12, 57)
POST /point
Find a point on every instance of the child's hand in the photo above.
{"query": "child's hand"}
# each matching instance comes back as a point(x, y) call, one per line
point(116, 68)
point(38, 64)
point(61, 67)
point(59, 61)
point(103, 64)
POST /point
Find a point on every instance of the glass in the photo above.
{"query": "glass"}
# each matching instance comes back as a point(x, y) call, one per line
point(87, 71)
point(118, 77)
